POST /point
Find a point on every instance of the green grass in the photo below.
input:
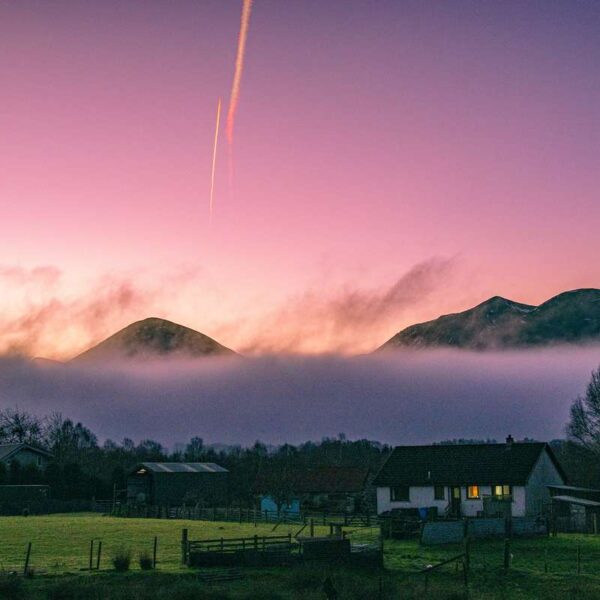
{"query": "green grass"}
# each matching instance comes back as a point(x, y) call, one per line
point(61, 547)
point(61, 543)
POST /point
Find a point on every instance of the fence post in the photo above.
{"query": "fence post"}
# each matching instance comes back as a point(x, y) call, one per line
point(99, 555)
point(506, 555)
point(579, 559)
point(468, 553)
point(91, 554)
point(184, 546)
point(545, 560)
point(154, 549)
point(26, 568)
point(312, 528)
point(256, 543)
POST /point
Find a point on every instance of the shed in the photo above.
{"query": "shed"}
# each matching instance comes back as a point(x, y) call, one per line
point(177, 483)
point(25, 455)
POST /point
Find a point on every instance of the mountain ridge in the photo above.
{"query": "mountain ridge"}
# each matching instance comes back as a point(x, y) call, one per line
point(153, 338)
point(499, 323)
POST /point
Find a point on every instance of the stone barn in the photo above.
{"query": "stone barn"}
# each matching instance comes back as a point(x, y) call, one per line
point(177, 483)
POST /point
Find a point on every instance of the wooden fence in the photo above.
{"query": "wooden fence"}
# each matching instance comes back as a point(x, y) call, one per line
point(255, 551)
point(242, 515)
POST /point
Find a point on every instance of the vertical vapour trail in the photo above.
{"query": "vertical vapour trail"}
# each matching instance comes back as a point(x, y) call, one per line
point(239, 67)
point(214, 157)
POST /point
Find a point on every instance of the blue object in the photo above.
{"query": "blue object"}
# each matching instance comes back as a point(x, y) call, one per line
point(267, 503)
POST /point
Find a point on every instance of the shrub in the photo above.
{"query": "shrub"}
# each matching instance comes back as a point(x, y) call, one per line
point(121, 560)
point(146, 561)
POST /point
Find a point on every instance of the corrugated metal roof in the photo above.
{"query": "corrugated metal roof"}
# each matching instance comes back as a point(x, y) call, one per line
point(573, 488)
point(179, 467)
point(574, 500)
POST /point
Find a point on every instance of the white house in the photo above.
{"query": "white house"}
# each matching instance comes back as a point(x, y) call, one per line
point(462, 479)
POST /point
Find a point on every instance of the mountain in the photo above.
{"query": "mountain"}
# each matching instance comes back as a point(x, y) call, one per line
point(153, 338)
point(569, 318)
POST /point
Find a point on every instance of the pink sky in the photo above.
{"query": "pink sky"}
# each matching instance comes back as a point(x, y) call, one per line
point(369, 138)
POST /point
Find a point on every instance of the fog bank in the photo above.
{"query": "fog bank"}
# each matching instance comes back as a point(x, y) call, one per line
point(399, 398)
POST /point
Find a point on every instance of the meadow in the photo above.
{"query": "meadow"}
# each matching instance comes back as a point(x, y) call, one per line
point(545, 567)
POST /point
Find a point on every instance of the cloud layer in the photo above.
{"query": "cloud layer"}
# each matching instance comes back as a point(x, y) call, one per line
point(41, 314)
point(399, 398)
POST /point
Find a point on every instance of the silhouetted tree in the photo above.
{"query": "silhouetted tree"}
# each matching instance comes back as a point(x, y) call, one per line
point(584, 426)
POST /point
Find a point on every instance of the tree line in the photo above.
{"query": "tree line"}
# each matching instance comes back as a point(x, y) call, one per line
point(84, 468)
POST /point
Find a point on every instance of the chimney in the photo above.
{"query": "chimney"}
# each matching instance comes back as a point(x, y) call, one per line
point(509, 441)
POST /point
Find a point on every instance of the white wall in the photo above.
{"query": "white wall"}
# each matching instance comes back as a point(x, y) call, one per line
point(543, 474)
point(519, 505)
point(420, 497)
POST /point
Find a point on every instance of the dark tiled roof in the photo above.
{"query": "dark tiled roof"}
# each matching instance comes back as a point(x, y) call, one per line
point(462, 464)
point(181, 467)
point(7, 450)
point(324, 480)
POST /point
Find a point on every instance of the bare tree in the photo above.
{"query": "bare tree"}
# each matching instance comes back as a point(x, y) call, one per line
point(584, 426)
point(18, 426)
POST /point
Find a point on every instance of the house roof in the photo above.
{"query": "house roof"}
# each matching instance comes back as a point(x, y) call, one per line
point(324, 480)
point(463, 464)
point(8, 450)
point(180, 467)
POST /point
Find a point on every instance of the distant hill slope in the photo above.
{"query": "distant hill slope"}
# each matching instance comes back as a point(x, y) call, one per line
point(152, 338)
point(571, 318)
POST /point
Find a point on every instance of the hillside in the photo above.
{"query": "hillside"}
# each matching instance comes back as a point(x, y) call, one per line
point(571, 317)
point(153, 338)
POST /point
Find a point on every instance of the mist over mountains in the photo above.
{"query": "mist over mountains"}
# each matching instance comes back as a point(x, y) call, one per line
point(497, 324)
point(400, 397)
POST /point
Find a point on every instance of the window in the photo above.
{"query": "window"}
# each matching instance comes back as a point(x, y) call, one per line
point(502, 491)
point(473, 492)
point(399, 493)
point(438, 492)
point(39, 461)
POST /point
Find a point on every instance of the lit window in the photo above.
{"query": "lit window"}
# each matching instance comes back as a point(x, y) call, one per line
point(472, 492)
point(399, 493)
point(502, 491)
point(438, 492)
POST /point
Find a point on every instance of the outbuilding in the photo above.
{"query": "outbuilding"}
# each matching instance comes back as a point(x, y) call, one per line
point(177, 483)
point(25, 455)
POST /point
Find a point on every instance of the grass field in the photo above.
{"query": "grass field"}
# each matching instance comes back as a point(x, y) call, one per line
point(61, 543)
point(61, 549)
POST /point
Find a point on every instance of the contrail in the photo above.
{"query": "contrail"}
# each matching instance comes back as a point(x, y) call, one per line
point(214, 158)
point(239, 67)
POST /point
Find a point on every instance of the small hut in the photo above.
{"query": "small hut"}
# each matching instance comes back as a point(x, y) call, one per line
point(177, 483)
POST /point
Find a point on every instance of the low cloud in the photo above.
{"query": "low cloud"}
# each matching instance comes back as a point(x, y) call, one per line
point(349, 320)
point(403, 397)
point(40, 315)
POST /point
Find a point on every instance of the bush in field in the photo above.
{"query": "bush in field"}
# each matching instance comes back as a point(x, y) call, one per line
point(145, 561)
point(121, 560)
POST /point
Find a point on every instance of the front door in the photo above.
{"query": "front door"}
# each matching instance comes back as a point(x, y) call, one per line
point(455, 501)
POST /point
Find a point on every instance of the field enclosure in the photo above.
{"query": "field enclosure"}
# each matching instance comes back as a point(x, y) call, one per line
point(567, 566)
point(61, 543)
